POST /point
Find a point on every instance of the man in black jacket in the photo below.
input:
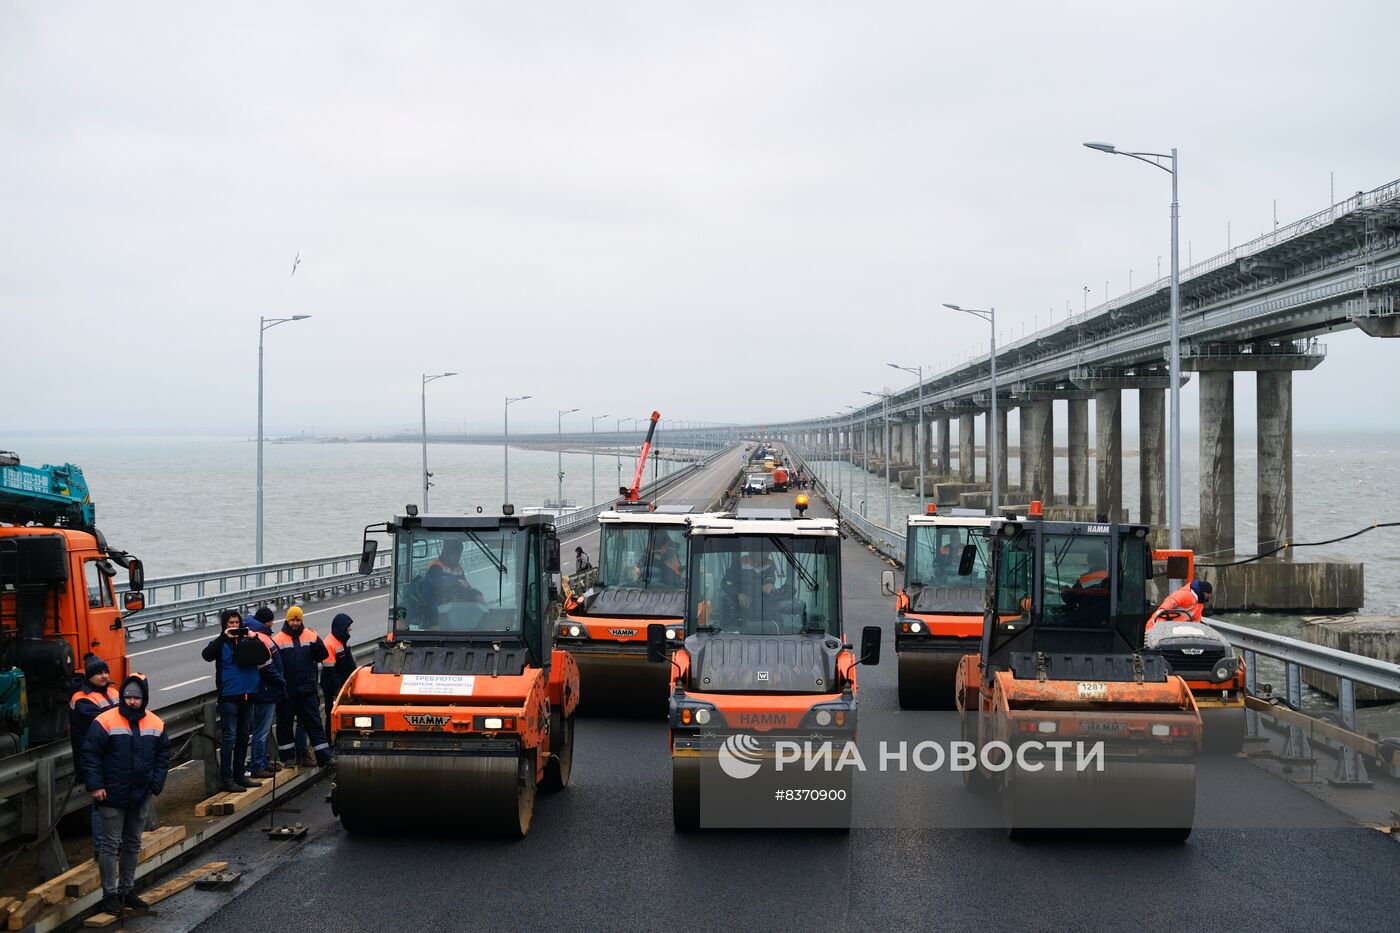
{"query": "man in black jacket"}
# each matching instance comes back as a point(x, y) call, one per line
point(302, 652)
point(338, 664)
point(125, 759)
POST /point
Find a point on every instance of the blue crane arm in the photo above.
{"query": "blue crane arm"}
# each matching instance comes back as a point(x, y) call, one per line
point(46, 495)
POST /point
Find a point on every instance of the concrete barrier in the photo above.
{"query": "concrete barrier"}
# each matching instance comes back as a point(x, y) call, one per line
point(1372, 636)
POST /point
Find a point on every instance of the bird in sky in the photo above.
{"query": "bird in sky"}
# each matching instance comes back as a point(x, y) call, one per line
point(296, 262)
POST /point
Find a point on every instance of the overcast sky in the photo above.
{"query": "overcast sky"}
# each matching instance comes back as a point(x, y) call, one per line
point(724, 210)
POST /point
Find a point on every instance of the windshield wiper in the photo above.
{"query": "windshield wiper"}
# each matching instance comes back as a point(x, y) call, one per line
point(802, 572)
point(499, 564)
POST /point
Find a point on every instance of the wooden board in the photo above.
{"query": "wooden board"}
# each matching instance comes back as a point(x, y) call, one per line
point(237, 803)
point(160, 892)
point(23, 915)
point(152, 843)
point(204, 807)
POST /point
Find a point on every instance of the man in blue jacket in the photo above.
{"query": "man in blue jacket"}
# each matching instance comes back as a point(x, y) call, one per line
point(124, 760)
point(302, 652)
point(272, 689)
point(240, 661)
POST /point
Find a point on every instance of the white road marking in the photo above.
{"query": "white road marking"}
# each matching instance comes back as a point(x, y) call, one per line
point(185, 683)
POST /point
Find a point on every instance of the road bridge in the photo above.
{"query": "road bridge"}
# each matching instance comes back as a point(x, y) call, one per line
point(1260, 307)
point(603, 855)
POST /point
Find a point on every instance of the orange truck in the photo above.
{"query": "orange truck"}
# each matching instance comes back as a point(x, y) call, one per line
point(57, 601)
point(1061, 667)
point(465, 708)
point(938, 613)
point(765, 661)
point(642, 560)
point(1205, 658)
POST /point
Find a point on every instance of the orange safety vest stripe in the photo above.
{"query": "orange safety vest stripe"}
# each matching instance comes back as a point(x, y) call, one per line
point(333, 647)
point(100, 700)
point(284, 640)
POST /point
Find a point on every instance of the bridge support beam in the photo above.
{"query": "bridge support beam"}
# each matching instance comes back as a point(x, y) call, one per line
point(1275, 424)
point(1041, 447)
point(1078, 451)
point(1152, 456)
point(1217, 465)
point(1108, 452)
point(1003, 455)
point(945, 447)
point(1023, 446)
point(967, 448)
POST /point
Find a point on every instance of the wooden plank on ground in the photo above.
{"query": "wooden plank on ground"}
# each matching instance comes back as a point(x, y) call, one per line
point(159, 893)
point(203, 808)
point(152, 843)
point(237, 803)
point(7, 906)
point(23, 915)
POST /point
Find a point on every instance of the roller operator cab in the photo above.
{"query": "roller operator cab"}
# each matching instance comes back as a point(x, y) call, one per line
point(1076, 726)
point(938, 612)
point(765, 660)
point(643, 556)
point(466, 707)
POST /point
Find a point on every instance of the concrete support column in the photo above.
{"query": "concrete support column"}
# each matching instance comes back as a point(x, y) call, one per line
point(1042, 441)
point(1152, 456)
point(945, 448)
point(1275, 418)
point(930, 450)
point(1217, 466)
point(1023, 455)
point(967, 445)
point(1078, 451)
point(1108, 452)
point(1003, 455)
point(911, 445)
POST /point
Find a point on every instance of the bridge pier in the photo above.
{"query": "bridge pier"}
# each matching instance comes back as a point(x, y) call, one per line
point(1038, 453)
point(1078, 417)
point(1217, 538)
point(967, 446)
point(1108, 451)
point(945, 447)
point(1152, 456)
point(1003, 455)
point(1275, 427)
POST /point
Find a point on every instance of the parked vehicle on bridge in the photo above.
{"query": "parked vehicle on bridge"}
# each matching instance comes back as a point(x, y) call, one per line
point(1205, 658)
point(765, 659)
point(758, 484)
point(780, 478)
point(938, 612)
point(57, 603)
point(466, 706)
point(1061, 665)
point(642, 560)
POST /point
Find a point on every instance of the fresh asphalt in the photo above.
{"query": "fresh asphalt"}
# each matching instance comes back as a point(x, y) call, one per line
point(602, 855)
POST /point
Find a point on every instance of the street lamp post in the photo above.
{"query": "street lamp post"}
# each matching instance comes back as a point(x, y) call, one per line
point(426, 475)
point(264, 325)
point(505, 494)
point(1174, 435)
point(885, 398)
point(918, 372)
point(562, 413)
point(594, 430)
point(994, 429)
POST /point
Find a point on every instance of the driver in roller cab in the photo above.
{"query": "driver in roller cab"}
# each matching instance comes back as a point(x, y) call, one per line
point(446, 583)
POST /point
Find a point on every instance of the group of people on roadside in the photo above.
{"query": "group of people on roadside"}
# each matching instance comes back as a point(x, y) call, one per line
point(122, 753)
point(263, 675)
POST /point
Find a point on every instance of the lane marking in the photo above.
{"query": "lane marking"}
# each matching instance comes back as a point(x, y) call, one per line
point(185, 683)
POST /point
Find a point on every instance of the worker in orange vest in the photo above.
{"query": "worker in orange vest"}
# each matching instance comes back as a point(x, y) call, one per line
point(338, 664)
point(93, 693)
point(302, 652)
point(1190, 600)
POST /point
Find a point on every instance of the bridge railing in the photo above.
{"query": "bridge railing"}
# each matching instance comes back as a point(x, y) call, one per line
point(1294, 654)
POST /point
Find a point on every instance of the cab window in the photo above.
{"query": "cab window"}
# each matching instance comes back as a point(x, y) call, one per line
point(99, 585)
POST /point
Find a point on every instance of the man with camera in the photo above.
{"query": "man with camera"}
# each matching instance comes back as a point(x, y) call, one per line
point(241, 661)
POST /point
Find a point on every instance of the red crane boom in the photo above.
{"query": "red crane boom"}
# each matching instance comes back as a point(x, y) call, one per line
point(630, 494)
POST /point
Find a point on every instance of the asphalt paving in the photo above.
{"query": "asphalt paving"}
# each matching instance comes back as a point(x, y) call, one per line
point(602, 855)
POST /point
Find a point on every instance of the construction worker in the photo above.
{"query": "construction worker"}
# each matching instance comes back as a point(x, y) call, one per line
point(240, 662)
point(338, 664)
point(1189, 601)
point(666, 567)
point(302, 652)
point(445, 579)
point(272, 689)
point(125, 758)
point(93, 693)
point(581, 561)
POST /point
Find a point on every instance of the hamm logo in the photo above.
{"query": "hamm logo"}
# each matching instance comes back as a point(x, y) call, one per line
point(427, 722)
point(762, 719)
point(622, 632)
